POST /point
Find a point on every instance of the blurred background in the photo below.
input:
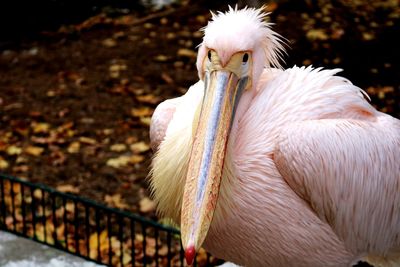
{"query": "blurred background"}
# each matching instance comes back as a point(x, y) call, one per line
point(79, 80)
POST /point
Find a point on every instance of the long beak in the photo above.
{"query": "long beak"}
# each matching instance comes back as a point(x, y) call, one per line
point(222, 90)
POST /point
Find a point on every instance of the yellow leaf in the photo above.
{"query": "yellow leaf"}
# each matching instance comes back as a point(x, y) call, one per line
point(14, 150)
point(115, 201)
point(87, 140)
point(161, 58)
point(109, 42)
point(127, 258)
point(74, 147)
point(38, 194)
point(34, 150)
point(70, 207)
point(118, 162)
point(118, 147)
point(141, 112)
point(145, 120)
point(41, 127)
point(317, 34)
point(67, 188)
point(3, 164)
point(136, 159)
point(146, 205)
point(149, 98)
point(139, 147)
point(184, 52)
point(95, 240)
point(123, 161)
point(367, 36)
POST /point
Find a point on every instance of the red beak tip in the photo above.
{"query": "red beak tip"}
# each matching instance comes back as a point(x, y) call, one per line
point(190, 253)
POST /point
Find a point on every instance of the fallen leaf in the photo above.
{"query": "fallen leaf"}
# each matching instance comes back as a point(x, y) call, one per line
point(118, 147)
point(87, 140)
point(118, 162)
point(21, 168)
point(136, 159)
point(142, 111)
point(74, 147)
point(70, 207)
point(145, 120)
point(123, 161)
point(161, 58)
point(14, 150)
point(184, 52)
point(367, 36)
point(317, 34)
point(163, 251)
point(57, 157)
point(109, 42)
point(67, 188)
point(270, 7)
point(140, 147)
point(3, 164)
point(95, 240)
point(149, 98)
point(41, 127)
point(131, 139)
point(38, 193)
point(168, 79)
point(126, 258)
point(146, 205)
point(115, 201)
point(34, 150)
point(65, 127)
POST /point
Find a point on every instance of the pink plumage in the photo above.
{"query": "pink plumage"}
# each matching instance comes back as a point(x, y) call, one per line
point(311, 172)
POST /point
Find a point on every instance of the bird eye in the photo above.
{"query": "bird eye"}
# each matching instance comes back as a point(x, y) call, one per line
point(209, 55)
point(245, 58)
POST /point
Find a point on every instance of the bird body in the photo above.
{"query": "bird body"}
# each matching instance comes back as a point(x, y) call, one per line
point(310, 174)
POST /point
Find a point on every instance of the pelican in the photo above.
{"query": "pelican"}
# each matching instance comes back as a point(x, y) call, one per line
point(269, 167)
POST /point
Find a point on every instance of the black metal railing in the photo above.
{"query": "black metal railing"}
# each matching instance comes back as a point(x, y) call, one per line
point(88, 229)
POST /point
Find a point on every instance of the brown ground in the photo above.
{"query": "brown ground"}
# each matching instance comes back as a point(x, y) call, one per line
point(75, 103)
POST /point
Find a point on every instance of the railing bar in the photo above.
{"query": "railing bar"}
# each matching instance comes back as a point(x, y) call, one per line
point(181, 254)
point(44, 217)
point(76, 225)
point(91, 203)
point(121, 239)
point(43, 201)
point(195, 261)
point(23, 207)
point(109, 238)
point(133, 241)
point(144, 244)
point(13, 206)
point(156, 237)
point(65, 223)
point(87, 228)
point(33, 210)
point(3, 205)
point(169, 248)
point(98, 234)
point(53, 208)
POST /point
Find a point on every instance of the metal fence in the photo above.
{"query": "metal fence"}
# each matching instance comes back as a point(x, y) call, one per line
point(88, 229)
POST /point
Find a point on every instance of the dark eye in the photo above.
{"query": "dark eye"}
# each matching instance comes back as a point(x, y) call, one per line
point(209, 55)
point(245, 58)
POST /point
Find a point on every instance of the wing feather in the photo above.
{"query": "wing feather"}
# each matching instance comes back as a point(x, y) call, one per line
point(348, 170)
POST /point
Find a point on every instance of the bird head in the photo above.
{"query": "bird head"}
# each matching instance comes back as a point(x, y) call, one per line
point(237, 46)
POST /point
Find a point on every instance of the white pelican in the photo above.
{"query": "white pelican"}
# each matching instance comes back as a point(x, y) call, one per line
point(271, 167)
